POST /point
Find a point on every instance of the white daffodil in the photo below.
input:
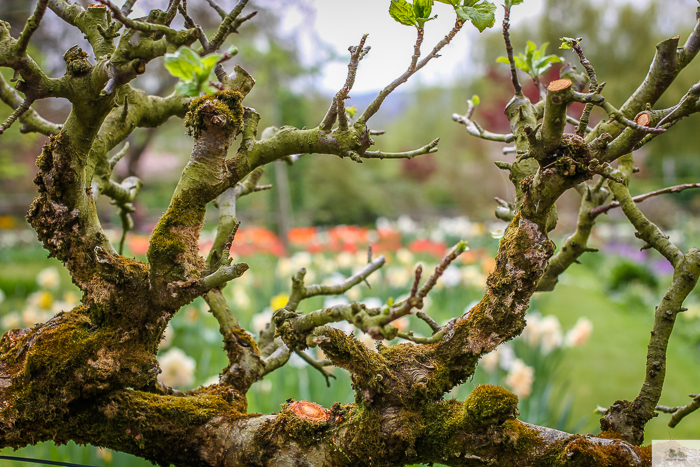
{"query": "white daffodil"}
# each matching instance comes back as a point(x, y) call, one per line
point(177, 369)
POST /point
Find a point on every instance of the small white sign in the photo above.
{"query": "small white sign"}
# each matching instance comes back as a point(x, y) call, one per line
point(675, 453)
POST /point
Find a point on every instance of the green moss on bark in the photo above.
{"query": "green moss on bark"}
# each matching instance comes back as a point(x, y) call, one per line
point(488, 405)
point(227, 104)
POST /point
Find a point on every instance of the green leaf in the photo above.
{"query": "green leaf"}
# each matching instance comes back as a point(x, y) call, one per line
point(475, 100)
point(351, 110)
point(461, 247)
point(188, 88)
point(534, 61)
point(530, 48)
point(421, 21)
point(568, 42)
point(402, 11)
point(192, 70)
point(521, 64)
point(422, 8)
point(209, 62)
point(479, 12)
point(541, 66)
point(449, 2)
point(183, 64)
point(513, 2)
point(503, 60)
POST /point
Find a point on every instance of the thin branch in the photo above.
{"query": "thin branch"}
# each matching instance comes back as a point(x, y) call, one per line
point(278, 357)
point(189, 23)
point(587, 65)
point(436, 337)
point(427, 149)
point(126, 9)
point(475, 129)
point(429, 321)
point(301, 291)
point(613, 113)
point(576, 244)
point(639, 198)
point(577, 123)
point(225, 28)
point(679, 413)
point(19, 111)
point(240, 20)
point(118, 156)
point(223, 275)
point(377, 102)
point(356, 54)
point(374, 321)
point(458, 249)
point(646, 230)
point(317, 365)
point(171, 12)
point(30, 27)
point(217, 8)
point(141, 26)
point(509, 51)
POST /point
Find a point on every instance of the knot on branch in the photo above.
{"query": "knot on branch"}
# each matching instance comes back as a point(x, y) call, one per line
point(572, 156)
point(76, 61)
point(223, 109)
point(627, 419)
point(283, 321)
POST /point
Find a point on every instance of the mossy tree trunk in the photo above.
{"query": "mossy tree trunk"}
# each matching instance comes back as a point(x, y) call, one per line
point(90, 375)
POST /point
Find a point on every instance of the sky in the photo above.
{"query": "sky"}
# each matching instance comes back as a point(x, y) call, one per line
point(341, 23)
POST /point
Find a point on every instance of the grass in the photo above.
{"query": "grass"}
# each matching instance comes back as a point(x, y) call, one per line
point(611, 365)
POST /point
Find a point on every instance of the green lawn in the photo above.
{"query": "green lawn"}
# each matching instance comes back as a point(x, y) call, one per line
point(611, 365)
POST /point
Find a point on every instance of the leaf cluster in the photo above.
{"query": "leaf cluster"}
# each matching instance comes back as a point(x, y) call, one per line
point(192, 70)
point(569, 42)
point(534, 62)
point(480, 12)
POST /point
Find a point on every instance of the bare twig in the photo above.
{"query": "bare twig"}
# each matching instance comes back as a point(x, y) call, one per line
point(225, 28)
point(679, 413)
point(30, 27)
point(217, 8)
point(639, 198)
point(577, 124)
point(412, 69)
point(509, 51)
point(356, 54)
point(301, 291)
point(19, 111)
point(429, 321)
point(317, 365)
point(428, 148)
point(126, 9)
point(475, 129)
point(139, 25)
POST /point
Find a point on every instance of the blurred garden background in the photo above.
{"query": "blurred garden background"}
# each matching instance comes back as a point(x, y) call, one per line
point(585, 345)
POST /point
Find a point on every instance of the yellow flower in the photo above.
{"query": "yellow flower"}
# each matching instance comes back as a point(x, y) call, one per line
point(279, 301)
point(41, 299)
